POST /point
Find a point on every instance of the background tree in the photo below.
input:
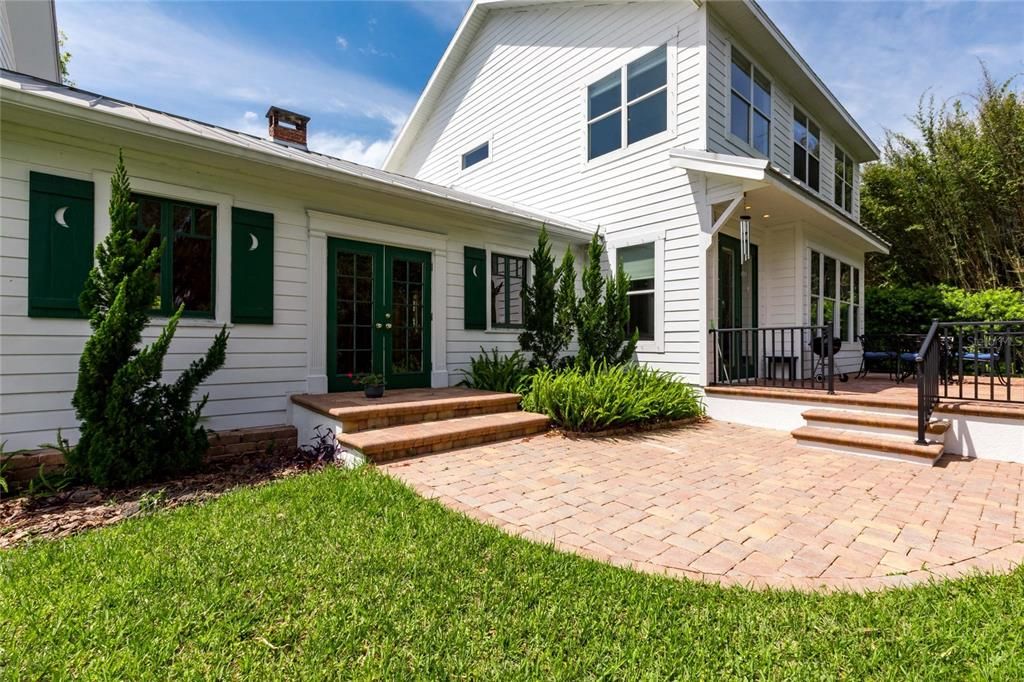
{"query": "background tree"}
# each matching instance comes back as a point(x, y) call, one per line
point(544, 335)
point(950, 199)
point(602, 314)
point(133, 427)
point(64, 58)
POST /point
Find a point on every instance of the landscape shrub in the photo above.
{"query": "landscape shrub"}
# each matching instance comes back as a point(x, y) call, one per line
point(133, 426)
point(548, 304)
point(599, 397)
point(602, 314)
point(495, 372)
point(895, 309)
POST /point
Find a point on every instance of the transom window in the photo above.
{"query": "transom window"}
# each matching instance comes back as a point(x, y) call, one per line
point(806, 150)
point(835, 296)
point(508, 276)
point(644, 99)
point(638, 262)
point(475, 156)
point(186, 273)
point(844, 181)
point(750, 113)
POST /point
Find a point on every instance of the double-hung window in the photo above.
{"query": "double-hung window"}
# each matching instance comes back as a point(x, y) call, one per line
point(508, 277)
point(638, 262)
point(835, 296)
point(644, 101)
point(750, 108)
point(844, 181)
point(806, 151)
point(186, 271)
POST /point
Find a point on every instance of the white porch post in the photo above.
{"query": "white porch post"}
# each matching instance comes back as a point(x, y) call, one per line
point(439, 320)
point(316, 314)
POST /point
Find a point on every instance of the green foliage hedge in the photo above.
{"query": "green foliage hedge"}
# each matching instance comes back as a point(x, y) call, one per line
point(892, 309)
point(494, 372)
point(608, 396)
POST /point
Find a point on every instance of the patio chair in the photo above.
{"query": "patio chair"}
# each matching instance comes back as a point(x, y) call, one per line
point(874, 356)
point(981, 352)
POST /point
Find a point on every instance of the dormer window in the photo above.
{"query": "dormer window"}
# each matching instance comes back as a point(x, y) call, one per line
point(750, 112)
point(644, 99)
point(476, 155)
point(806, 150)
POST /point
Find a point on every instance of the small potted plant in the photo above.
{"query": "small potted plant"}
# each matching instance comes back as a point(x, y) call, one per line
point(373, 384)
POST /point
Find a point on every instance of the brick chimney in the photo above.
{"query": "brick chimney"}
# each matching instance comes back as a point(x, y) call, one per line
point(287, 127)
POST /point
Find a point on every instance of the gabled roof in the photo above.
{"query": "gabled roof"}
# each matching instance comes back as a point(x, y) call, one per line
point(815, 95)
point(37, 94)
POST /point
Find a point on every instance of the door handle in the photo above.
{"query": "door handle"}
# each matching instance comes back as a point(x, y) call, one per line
point(387, 326)
point(379, 325)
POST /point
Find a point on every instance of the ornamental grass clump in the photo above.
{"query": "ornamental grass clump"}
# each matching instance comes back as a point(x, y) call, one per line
point(601, 397)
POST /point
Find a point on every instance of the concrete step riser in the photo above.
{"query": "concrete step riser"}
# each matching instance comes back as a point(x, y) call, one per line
point(401, 452)
point(903, 433)
point(386, 421)
point(865, 452)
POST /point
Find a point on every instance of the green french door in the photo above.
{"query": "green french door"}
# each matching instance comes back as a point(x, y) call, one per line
point(737, 309)
point(378, 315)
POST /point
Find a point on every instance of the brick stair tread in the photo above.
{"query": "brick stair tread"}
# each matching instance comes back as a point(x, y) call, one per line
point(399, 438)
point(869, 441)
point(350, 407)
point(884, 421)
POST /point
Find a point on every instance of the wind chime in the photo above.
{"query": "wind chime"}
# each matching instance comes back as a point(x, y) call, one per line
point(744, 238)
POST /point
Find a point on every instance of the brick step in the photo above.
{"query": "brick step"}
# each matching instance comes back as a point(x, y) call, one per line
point(872, 444)
point(381, 445)
point(874, 423)
point(406, 406)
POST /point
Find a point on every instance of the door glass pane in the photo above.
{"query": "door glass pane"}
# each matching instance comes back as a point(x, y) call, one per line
point(747, 302)
point(353, 288)
point(407, 316)
point(727, 276)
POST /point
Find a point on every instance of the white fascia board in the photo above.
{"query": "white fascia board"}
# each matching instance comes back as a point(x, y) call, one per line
point(742, 167)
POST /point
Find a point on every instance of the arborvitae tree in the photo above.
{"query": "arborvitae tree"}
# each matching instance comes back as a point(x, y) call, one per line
point(565, 308)
point(541, 336)
point(602, 315)
point(133, 427)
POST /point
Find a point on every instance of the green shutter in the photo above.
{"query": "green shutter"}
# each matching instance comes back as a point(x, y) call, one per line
point(60, 244)
point(475, 287)
point(252, 267)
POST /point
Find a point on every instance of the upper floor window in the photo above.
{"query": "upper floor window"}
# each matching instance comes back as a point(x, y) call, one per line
point(644, 101)
point(844, 181)
point(806, 151)
point(475, 156)
point(186, 272)
point(750, 112)
point(508, 277)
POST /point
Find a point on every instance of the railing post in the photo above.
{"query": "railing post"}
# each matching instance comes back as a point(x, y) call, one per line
point(831, 364)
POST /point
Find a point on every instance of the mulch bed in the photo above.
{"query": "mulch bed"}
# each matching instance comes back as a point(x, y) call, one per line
point(80, 508)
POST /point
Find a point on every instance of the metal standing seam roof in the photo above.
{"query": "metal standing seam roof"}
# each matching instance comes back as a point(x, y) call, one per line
point(62, 94)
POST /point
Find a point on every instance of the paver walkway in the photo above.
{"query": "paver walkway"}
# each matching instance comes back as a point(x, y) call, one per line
point(738, 505)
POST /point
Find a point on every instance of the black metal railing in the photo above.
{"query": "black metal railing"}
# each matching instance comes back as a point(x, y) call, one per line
point(785, 357)
point(976, 361)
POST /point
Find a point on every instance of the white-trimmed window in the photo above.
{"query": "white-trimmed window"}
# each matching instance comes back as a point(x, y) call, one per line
point(750, 106)
point(843, 181)
point(476, 155)
point(508, 278)
point(835, 296)
point(644, 101)
point(638, 262)
point(806, 150)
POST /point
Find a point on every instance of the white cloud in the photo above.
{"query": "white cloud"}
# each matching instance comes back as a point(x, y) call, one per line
point(341, 42)
point(138, 52)
point(366, 152)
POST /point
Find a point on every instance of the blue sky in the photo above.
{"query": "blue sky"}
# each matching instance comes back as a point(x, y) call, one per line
point(357, 67)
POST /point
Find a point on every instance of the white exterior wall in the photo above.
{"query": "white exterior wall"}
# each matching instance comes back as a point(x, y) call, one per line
point(523, 87)
point(720, 41)
point(39, 356)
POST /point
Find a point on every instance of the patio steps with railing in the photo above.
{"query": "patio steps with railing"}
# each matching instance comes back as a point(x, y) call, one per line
point(874, 434)
point(411, 422)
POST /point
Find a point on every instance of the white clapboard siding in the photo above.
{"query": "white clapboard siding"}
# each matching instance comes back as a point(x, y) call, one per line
point(522, 87)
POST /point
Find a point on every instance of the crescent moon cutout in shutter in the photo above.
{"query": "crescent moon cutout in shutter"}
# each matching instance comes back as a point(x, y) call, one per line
point(255, 242)
point(475, 274)
point(58, 215)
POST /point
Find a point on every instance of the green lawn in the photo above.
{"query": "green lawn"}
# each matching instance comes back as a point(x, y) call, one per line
point(351, 574)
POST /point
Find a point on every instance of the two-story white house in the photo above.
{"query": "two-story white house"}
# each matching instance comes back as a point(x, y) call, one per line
point(721, 171)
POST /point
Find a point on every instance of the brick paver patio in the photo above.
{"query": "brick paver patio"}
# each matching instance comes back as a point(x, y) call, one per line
point(738, 505)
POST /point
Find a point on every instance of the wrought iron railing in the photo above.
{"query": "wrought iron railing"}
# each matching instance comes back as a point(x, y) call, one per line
point(785, 357)
point(976, 361)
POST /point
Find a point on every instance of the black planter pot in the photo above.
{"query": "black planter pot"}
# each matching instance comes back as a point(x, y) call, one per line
point(374, 391)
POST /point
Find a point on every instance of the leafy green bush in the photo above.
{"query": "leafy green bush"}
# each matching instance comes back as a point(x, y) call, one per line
point(607, 396)
point(893, 309)
point(493, 372)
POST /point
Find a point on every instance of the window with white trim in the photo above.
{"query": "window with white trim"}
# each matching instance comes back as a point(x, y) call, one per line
point(638, 262)
point(644, 99)
point(835, 296)
point(750, 108)
point(476, 155)
point(843, 181)
point(806, 150)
